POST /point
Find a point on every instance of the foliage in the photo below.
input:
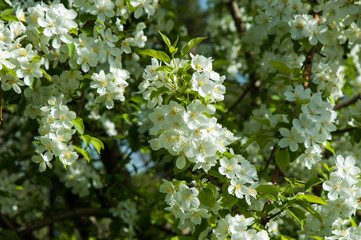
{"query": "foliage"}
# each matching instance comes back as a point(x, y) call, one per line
point(118, 124)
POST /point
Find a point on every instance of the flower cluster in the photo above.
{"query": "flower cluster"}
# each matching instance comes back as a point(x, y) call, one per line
point(240, 172)
point(110, 86)
point(312, 127)
point(80, 177)
point(184, 204)
point(189, 133)
point(56, 131)
point(236, 226)
point(127, 211)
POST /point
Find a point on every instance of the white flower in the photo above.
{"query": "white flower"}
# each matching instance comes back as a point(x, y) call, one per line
point(43, 160)
point(103, 8)
point(202, 83)
point(229, 167)
point(291, 138)
point(336, 187)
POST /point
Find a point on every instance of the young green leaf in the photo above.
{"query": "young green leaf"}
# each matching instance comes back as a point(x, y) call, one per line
point(97, 144)
point(312, 199)
point(156, 54)
point(165, 39)
point(79, 125)
point(86, 139)
point(281, 67)
point(83, 152)
point(282, 159)
point(191, 44)
point(298, 214)
point(71, 49)
point(206, 197)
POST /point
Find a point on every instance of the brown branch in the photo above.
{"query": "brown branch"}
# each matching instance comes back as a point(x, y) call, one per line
point(213, 181)
point(1, 106)
point(236, 15)
point(74, 213)
point(247, 90)
point(81, 104)
point(268, 161)
point(344, 130)
point(309, 59)
point(347, 102)
point(276, 174)
point(308, 65)
point(5, 222)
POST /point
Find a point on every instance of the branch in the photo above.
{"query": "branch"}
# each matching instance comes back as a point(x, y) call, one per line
point(309, 59)
point(250, 86)
point(276, 174)
point(347, 102)
point(344, 130)
point(236, 14)
point(268, 161)
point(308, 65)
point(74, 213)
point(1, 106)
point(5, 222)
point(213, 181)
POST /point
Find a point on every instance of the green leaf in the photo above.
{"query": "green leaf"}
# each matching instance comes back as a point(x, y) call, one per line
point(157, 92)
point(157, 54)
point(312, 182)
point(46, 74)
point(79, 125)
point(317, 237)
point(282, 159)
point(228, 200)
point(353, 222)
point(83, 152)
point(173, 50)
point(10, 71)
point(7, 15)
point(261, 120)
point(37, 58)
point(298, 214)
point(9, 234)
point(191, 44)
point(308, 208)
point(166, 69)
point(86, 139)
point(97, 144)
point(71, 49)
point(177, 170)
point(165, 39)
point(329, 147)
point(206, 198)
point(228, 155)
point(312, 199)
point(268, 191)
point(281, 67)
point(74, 31)
point(306, 44)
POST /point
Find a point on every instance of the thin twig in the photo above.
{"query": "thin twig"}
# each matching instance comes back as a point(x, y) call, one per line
point(250, 86)
point(344, 130)
point(1, 106)
point(213, 181)
point(81, 104)
point(347, 102)
point(74, 213)
point(236, 14)
point(5, 222)
point(268, 161)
